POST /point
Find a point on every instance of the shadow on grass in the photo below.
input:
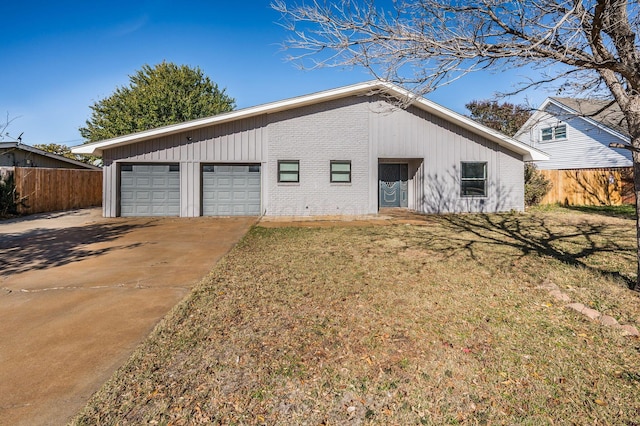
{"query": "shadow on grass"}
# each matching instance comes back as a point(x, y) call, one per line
point(48, 248)
point(571, 243)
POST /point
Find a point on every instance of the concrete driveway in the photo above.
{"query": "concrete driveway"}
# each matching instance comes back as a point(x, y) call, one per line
point(79, 292)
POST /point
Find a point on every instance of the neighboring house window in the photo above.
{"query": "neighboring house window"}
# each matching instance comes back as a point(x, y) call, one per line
point(473, 179)
point(289, 171)
point(553, 133)
point(340, 171)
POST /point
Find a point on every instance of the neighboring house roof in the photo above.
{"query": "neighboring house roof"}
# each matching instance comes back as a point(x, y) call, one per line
point(605, 112)
point(387, 89)
point(28, 148)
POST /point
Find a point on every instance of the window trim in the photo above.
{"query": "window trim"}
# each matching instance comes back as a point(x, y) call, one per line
point(339, 172)
point(553, 133)
point(280, 171)
point(474, 179)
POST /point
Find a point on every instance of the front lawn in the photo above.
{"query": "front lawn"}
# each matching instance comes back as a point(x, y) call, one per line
point(437, 321)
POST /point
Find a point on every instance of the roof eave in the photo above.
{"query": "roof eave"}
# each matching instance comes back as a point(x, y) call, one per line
point(34, 150)
point(526, 151)
point(96, 148)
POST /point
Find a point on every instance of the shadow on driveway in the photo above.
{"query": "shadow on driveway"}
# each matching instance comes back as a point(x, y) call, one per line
point(47, 248)
point(80, 292)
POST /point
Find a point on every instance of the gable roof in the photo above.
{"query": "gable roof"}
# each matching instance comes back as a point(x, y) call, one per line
point(605, 112)
point(602, 114)
point(31, 149)
point(529, 153)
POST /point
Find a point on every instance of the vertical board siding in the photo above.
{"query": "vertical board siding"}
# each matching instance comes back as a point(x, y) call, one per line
point(235, 142)
point(590, 187)
point(227, 142)
point(47, 190)
point(442, 146)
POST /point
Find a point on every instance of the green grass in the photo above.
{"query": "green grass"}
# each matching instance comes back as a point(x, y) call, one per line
point(439, 322)
point(627, 211)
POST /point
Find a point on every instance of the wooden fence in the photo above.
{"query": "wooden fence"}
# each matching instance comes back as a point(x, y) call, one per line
point(48, 190)
point(590, 187)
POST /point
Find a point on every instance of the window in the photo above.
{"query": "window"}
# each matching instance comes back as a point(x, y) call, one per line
point(289, 171)
point(561, 132)
point(208, 168)
point(254, 168)
point(126, 167)
point(340, 171)
point(473, 179)
point(552, 133)
point(174, 167)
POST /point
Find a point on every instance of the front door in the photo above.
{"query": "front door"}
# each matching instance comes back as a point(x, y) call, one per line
point(393, 180)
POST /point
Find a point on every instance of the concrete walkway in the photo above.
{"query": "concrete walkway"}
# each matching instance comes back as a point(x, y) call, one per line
point(79, 292)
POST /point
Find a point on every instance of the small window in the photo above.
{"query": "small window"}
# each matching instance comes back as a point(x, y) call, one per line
point(126, 168)
point(174, 167)
point(553, 133)
point(473, 182)
point(340, 171)
point(254, 168)
point(209, 168)
point(289, 171)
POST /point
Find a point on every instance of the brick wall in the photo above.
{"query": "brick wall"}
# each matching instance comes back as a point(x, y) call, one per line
point(315, 135)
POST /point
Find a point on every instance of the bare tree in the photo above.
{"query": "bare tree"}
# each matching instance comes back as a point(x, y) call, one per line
point(587, 47)
point(4, 125)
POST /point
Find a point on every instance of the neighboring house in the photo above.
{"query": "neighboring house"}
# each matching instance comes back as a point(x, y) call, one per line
point(45, 182)
point(346, 151)
point(17, 154)
point(576, 134)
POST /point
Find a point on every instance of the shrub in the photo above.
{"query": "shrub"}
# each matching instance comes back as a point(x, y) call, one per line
point(536, 185)
point(8, 195)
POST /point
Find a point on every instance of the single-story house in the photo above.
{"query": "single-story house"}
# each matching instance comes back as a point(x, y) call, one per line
point(576, 134)
point(346, 151)
point(18, 154)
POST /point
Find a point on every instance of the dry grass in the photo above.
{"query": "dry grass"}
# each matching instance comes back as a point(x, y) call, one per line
point(432, 323)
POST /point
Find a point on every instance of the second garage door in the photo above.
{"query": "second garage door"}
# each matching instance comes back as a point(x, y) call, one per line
point(230, 190)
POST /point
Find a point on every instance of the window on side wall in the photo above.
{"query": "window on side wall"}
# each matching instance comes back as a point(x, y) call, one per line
point(340, 171)
point(553, 133)
point(289, 171)
point(473, 179)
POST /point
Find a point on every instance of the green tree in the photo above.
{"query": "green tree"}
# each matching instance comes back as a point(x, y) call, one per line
point(156, 96)
point(504, 117)
point(536, 185)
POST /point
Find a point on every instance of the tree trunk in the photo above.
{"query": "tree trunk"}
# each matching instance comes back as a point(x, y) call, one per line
point(632, 114)
point(636, 187)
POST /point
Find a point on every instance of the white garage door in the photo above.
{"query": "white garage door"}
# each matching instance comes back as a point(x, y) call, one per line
point(150, 190)
point(230, 190)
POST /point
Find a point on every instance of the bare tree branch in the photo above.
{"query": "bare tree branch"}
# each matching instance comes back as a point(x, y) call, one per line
point(582, 46)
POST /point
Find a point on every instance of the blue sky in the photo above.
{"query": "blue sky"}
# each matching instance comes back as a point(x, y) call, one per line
point(60, 57)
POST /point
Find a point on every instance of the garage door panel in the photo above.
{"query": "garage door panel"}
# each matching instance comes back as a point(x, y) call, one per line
point(230, 190)
point(150, 190)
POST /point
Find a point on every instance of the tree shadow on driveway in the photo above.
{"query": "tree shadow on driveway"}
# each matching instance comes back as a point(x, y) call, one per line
point(48, 248)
